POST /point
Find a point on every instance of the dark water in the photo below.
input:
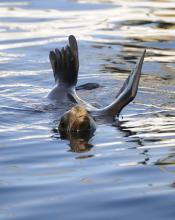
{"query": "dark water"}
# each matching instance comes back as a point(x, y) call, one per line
point(122, 172)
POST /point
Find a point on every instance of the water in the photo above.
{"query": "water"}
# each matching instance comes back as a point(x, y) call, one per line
point(126, 170)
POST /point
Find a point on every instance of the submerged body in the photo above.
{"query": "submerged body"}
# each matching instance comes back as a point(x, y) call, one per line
point(65, 65)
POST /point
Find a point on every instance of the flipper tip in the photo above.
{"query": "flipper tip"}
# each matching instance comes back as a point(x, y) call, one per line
point(140, 62)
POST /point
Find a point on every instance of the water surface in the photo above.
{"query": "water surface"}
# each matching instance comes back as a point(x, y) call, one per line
point(126, 170)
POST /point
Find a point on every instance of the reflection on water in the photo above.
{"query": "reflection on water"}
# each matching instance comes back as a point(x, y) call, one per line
point(78, 142)
point(127, 167)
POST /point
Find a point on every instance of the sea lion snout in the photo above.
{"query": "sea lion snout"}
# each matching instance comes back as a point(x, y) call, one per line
point(77, 119)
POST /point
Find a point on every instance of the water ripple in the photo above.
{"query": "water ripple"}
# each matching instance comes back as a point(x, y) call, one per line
point(127, 167)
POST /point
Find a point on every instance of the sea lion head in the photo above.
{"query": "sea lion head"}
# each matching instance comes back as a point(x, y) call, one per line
point(77, 120)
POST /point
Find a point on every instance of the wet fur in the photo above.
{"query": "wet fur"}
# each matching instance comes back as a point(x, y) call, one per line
point(76, 119)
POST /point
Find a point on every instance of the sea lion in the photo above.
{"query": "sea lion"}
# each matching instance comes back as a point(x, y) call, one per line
point(65, 65)
point(77, 119)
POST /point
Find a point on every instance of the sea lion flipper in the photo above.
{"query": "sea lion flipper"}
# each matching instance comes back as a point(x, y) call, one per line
point(59, 59)
point(124, 85)
point(53, 61)
point(68, 71)
point(136, 75)
point(130, 87)
point(127, 92)
point(68, 57)
point(74, 50)
point(63, 59)
point(65, 63)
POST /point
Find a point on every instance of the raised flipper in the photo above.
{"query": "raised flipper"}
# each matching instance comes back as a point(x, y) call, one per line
point(127, 93)
point(132, 81)
point(65, 63)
